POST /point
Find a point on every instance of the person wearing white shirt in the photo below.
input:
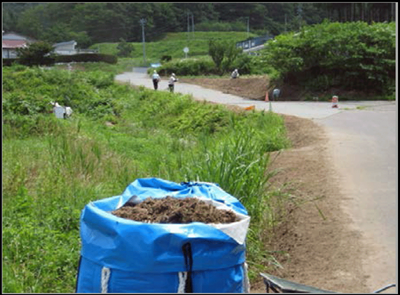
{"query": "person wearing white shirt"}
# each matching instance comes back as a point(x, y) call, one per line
point(171, 82)
point(156, 79)
point(235, 74)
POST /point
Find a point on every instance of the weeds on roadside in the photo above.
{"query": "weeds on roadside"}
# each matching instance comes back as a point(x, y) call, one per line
point(52, 168)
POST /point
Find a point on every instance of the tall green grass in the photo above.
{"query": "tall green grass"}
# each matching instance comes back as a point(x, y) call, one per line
point(49, 175)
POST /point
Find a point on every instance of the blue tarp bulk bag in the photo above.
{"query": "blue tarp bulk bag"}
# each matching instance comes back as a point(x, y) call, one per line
point(119, 255)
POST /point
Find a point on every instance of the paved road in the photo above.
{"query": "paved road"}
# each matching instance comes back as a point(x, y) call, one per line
point(364, 147)
point(363, 142)
point(310, 110)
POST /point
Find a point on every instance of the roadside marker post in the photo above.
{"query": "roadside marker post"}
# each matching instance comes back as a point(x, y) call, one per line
point(335, 100)
point(267, 100)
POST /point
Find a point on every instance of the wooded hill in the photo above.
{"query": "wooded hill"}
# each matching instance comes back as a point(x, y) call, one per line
point(90, 23)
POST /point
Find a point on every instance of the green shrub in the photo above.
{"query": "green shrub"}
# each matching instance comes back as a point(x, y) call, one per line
point(9, 61)
point(87, 57)
point(166, 58)
point(244, 63)
point(349, 56)
point(188, 67)
point(125, 49)
point(223, 54)
point(38, 53)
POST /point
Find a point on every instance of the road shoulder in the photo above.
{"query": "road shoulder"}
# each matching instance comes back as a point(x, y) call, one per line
point(315, 246)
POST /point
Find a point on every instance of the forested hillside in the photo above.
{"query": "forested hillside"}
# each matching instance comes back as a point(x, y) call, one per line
point(90, 23)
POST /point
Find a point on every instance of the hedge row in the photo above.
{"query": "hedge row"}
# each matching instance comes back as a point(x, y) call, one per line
point(9, 61)
point(83, 57)
point(188, 67)
point(87, 57)
point(205, 66)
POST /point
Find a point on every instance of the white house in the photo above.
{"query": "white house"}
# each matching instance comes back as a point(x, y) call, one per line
point(69, 48)
point(65, 48)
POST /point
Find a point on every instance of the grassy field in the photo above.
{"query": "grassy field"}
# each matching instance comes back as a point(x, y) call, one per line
point(174, 43)
point(52, 168)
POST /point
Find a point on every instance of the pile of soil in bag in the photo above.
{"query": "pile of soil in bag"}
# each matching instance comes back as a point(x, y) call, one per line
point(175, 210)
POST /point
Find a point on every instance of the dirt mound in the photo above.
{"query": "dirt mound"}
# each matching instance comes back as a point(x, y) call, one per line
point(174, 210)
point(248, 87)
point(255, 87)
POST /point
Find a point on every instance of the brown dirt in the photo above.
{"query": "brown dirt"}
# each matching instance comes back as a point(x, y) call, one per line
point(252, 87)
point(313, 245)
point(174, 210)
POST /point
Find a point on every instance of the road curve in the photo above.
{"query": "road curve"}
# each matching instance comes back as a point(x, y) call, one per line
point(364, 147)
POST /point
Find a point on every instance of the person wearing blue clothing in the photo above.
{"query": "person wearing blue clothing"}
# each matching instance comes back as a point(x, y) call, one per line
point(276, 93)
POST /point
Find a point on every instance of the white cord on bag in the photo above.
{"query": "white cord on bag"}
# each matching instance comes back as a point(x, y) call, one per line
point(105, 276)
point(182, 281)
point(246, 283)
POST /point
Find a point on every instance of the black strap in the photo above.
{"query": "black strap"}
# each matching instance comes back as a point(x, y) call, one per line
point(187, 254)
point(77, 273)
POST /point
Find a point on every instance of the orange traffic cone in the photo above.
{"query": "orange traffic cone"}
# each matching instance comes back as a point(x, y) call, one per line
point(266, 97)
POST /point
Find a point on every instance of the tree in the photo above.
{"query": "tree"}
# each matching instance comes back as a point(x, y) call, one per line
point(351, 56)
point(12, 12)
point(108, 22)
point(217, 51)
point(223, 54)
point(38, 53)
point(124, 49)
point(230, 55)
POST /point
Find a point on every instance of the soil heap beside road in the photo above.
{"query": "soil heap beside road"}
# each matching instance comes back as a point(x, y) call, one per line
point(252, 88)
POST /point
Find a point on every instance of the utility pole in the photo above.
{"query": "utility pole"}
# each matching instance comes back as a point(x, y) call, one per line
point(142, 22)
point(190, 18)
point(285, 23)
point(188, 24)
point(393, 9)
point(193, 25)
point(248, 27)
point(352, 12)
point(299, 11)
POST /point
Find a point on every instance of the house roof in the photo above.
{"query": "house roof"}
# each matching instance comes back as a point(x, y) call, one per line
point(14, 43)
point(72, 42)
point(14, 36)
